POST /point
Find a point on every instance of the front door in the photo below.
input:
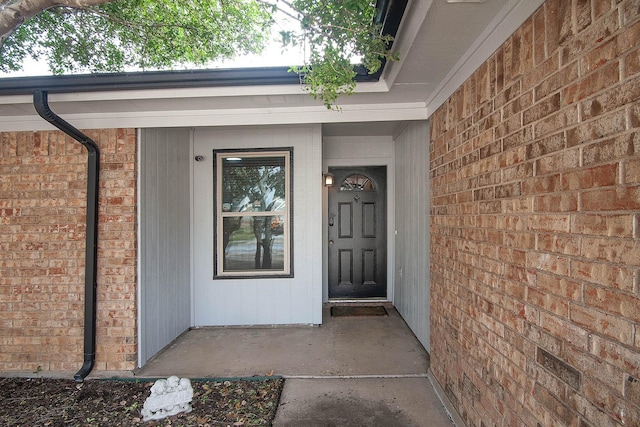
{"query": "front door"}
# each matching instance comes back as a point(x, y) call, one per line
point(357, 233)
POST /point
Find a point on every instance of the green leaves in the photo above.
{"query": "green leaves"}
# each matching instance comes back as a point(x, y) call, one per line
point(336, 32)
point(167, 34)
point(141, 34)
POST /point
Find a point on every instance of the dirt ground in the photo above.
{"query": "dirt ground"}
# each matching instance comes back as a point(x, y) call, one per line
point(56, 402)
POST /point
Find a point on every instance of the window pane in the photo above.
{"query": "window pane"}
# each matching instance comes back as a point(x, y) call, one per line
point(253, 243)
point(357, 183)
point(253, 184)
point(253, 231)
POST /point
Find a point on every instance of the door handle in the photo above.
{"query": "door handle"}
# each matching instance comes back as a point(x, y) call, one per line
point(330, 242)
point(331, 219)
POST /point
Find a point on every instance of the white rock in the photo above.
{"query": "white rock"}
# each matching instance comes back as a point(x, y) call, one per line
point(168, 397)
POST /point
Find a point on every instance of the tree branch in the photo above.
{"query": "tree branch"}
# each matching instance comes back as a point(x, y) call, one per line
point(286, 12)
point(15, 13)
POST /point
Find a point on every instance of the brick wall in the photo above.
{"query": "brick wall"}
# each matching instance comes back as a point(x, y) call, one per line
point(42, 251)
point(535, 235)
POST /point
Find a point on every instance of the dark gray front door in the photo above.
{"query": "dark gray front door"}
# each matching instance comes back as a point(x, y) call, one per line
point(357, 233)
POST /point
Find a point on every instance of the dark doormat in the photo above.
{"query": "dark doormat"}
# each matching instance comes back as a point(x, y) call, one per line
point(358, 310)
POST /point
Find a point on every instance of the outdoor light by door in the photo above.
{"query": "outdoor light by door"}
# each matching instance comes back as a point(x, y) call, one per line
point(328, 179)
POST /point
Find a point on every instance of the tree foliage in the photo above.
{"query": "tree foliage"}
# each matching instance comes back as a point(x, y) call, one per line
point(334, 33)
point(114, 35)
point(144, 34)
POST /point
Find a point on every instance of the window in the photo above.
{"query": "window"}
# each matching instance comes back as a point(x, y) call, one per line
point(253, 213)
point(357, 182)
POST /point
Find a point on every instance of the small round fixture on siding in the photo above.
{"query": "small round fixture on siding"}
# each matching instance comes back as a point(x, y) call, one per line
point(199, 158)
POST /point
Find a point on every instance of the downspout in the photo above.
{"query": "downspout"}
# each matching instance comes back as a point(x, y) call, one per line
point(41, 104)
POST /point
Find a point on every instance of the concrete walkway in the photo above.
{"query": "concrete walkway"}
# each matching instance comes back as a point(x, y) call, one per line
point(351, 371)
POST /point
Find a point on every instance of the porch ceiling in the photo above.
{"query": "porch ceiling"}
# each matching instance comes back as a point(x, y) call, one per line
point(440, 44)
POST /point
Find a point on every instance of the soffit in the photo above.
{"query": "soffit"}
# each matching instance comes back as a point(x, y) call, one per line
point(443, 38)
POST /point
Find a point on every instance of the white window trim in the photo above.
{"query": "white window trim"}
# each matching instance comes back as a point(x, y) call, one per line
point(287, 213)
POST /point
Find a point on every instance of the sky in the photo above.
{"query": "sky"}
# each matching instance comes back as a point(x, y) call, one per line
point(272, 56)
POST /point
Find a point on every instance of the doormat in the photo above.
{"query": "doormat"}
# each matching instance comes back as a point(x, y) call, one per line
point(358, 310)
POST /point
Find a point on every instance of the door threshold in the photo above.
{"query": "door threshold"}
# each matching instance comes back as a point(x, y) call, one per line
point(364, 301)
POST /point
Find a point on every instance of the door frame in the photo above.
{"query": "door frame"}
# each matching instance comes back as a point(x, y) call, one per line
point(390, 165)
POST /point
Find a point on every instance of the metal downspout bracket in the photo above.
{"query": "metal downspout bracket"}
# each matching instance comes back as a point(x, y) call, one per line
point(40, 102)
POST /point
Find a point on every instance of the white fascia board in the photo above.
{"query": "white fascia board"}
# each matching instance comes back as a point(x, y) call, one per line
point(510, 18)
point(196, 92)
point(228, 117)
point(16, 100)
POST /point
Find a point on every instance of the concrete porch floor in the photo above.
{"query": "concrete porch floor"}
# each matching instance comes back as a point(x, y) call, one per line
point(350, 371)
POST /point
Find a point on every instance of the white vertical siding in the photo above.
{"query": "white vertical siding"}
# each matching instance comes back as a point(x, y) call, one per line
point(412, 225)
point(296, 300)
point(164, 297)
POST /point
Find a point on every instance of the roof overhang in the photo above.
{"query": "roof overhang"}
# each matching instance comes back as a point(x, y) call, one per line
point(432, 66)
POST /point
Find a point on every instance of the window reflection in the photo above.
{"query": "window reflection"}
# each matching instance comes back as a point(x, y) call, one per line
point(254, 184)
point(254, 243)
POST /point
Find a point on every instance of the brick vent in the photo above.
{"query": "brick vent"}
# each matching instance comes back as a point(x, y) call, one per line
point(42, 251)
point(535, 236)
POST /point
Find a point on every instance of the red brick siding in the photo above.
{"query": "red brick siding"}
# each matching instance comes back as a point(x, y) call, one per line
point(535, 224)
point(42, 251)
